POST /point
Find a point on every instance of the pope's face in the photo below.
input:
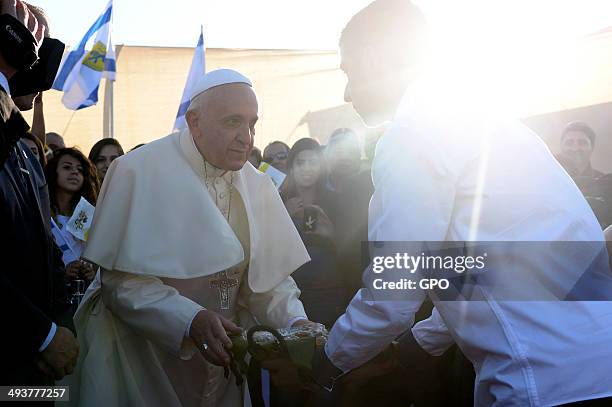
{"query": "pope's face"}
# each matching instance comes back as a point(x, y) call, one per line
point(224, 126)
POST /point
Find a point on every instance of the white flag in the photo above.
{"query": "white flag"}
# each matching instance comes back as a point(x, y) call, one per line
point(197, 70)
point(276, 175)
point(79, 223)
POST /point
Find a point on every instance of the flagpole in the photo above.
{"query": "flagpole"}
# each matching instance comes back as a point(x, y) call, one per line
point(68, 124)
point(108, 120)
point(108, 117)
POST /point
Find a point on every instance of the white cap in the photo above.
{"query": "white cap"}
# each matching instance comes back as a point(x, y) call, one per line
point(218, 77)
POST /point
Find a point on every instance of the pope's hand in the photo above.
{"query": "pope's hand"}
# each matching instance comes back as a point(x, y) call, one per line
point(60, 357)
point(209, 332)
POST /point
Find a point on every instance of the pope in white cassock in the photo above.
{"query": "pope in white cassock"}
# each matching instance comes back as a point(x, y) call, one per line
point(192, 242)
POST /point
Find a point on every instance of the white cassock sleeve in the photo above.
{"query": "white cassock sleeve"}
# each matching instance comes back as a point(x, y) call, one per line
point(148, 306)
point(277, 307)
point(412, 201)
point(433, 335)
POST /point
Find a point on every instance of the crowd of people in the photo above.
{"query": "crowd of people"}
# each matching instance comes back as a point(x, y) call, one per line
point(183, 255)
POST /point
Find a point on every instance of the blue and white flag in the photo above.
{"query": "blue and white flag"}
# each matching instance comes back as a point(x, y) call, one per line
point(81, 70)
point(197, 70)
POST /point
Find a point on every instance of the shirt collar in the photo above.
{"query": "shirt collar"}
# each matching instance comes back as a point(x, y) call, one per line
point(5, 83)
point(198, 163)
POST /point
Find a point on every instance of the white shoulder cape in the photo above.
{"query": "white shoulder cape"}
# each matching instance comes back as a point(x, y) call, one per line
point(154, 216)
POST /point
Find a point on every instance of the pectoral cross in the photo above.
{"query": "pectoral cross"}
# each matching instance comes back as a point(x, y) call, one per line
point(224, 285)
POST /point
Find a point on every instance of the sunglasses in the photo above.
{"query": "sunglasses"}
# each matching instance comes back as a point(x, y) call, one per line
point(277, 156)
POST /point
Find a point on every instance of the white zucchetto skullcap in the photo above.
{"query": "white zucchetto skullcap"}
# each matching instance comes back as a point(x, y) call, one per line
point(218, 77)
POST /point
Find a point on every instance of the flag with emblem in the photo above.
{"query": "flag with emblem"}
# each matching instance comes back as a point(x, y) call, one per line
point(80, 221)
point(197, 70)
point(82, 68)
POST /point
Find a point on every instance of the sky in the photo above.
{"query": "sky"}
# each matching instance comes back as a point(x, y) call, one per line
point(289, 24)
point(316, 24)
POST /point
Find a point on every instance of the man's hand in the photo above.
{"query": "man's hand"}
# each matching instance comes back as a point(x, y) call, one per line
point(20, 11)
point(210, 329)
point(384, 363)
point(286, 375)
point(60, 357)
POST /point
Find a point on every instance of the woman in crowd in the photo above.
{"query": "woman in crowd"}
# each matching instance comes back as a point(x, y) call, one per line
point(255, 157)
point(36, 148)
point(306, 200)
point(70, 176)
point(103, 153)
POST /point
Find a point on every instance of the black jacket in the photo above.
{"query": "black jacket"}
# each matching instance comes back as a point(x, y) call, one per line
point(31, 279)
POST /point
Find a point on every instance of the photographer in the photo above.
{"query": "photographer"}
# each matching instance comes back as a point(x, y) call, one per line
point(34, 348)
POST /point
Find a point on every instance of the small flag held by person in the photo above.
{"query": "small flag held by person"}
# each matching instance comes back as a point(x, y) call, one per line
point(197, 70)
point(80, 221)
point(83, 68)
point(276, 175)
point(69, 254)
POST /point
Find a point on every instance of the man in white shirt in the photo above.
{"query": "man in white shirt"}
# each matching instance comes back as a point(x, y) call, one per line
point(446, 170)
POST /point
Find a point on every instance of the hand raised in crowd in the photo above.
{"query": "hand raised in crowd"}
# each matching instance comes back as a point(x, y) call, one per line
point(209, 332)
point(60, 357)
point(310, 219)
point(20, 11)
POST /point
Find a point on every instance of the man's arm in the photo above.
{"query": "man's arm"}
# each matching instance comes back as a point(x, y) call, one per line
point(432, 335)
point(278, 308)
point(413, 201)
point(29, 325)
point(38, 120)
point(154, 309)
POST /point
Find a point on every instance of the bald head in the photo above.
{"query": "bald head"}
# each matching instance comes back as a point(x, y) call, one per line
point(54, 141)
point(397, 28)
point(381, 48)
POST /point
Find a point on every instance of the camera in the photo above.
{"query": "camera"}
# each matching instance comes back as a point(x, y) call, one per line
point(19, 46)
point(39, 77)
point(36, 67)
